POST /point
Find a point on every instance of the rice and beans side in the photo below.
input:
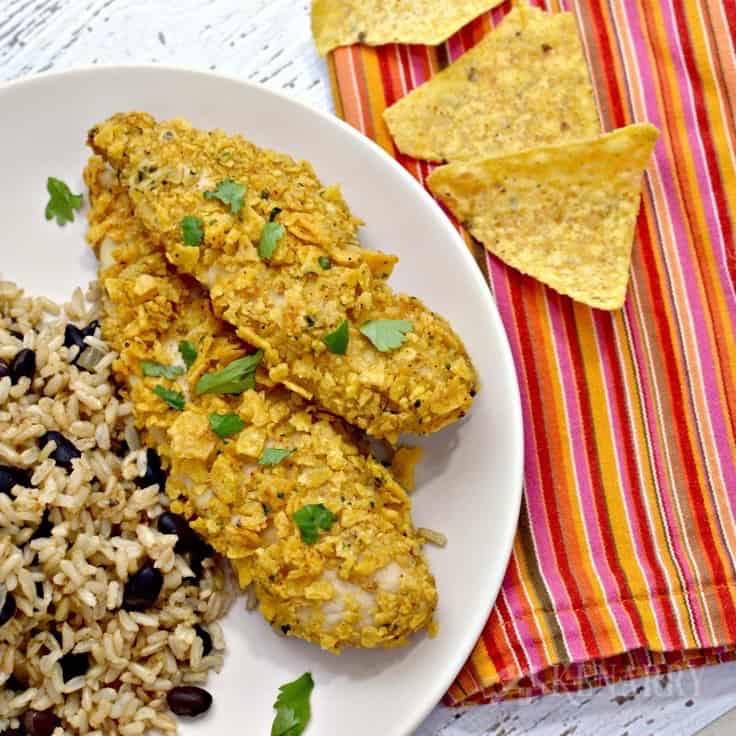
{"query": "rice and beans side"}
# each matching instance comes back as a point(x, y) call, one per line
point(108, 601)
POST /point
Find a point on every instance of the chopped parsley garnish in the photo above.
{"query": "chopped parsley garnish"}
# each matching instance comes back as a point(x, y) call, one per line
point(292, 707)
point(311, 518)
point(174, 399)
point(387, 334)
point(270, 236)
point(62, 202)
point(225, 425)
point(274, 455)
point(238, 376)
point(325, 263)
point(229, 192)
point(192, 230)
point(337, 340)
point(152, 369)
point(188, 353)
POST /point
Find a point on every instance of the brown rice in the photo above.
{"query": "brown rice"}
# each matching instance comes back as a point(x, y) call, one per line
point(68, 587)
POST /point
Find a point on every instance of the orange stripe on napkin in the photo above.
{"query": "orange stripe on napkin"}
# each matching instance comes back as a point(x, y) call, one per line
point(625, 559)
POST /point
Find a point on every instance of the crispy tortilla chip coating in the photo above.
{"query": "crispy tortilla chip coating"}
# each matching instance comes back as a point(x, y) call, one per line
point(374, 22)
point(365, 581)
point(287, 304)
point(525, 85)
point(562, 214)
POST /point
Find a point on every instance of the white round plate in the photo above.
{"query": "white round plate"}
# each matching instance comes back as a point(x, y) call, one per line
point(470, 477)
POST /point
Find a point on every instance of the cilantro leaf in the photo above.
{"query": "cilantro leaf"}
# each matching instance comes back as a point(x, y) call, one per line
point(325, 263)
point(62, 202)
point(270, 236)
point(337, 340)
point(387, 334)
point(158, 370)
point(274, 455)
point(236, 377)
point(192, 230)
point(292, 707)
point(225, 425)
point(174, 399)
point(188, 353)
point(229, 192)
point(311, 518)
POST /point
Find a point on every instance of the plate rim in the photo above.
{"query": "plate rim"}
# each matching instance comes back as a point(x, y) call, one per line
point(477, 620)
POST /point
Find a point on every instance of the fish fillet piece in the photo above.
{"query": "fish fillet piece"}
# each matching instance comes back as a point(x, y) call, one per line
point(286, 305)
point(365, 582)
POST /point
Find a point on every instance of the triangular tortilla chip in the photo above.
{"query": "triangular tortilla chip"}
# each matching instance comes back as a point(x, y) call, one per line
point(562, 214)
point(374, 22)
point(526, 84)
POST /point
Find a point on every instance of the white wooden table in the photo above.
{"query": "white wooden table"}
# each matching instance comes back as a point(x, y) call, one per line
point(268, 41)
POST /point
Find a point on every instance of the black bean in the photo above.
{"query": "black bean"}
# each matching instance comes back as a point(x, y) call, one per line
point(74, 665)
point(142, 589)
point(73, 336)
point(40, 722)
point(13, 732)
point(120, 448)
point(10, 476)
point(14, 684)
point(188, 539)
point(44, 529)
point(199, 554)
point(188, 700)
point(197, 569)
point(153, 473)
point(204, 635)
point(4, 368)
point(65, 450)
point(91, 328)
point(8, 610)
point(23, 365)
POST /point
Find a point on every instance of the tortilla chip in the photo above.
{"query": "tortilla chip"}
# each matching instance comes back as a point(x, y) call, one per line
point(374, 22)
point(562, 214)
point(526, 84)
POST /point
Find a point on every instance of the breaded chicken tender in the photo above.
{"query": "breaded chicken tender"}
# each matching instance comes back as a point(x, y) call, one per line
point(286, 300)
point(362, 580)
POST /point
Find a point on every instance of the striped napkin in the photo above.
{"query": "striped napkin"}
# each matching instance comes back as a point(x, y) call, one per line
point(625, 558)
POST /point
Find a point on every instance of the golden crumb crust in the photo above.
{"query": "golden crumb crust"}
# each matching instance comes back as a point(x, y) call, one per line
point(365, 582)
point(317, 277)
